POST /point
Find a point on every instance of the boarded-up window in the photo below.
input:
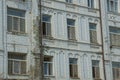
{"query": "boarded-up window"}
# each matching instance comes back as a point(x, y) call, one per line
point(16, 63)
point(116, 70)
point(46, 25)
point(71, 29)
point(114, 36)
point(93, 33)
point(95, 69)
point(15, 20)
point(48, 66)
point(73, 68)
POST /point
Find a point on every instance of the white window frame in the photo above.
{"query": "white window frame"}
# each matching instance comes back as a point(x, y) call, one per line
point(47, 23)
point(113, 8)
point(91, 4)
point(73, 69)
point(69, 27)
point(69, 1)
point(96, 68)
point(19, 26)
point(118, 68)
point(114, 43)
point(49, 62)
point(93, 30)
point(13, 69)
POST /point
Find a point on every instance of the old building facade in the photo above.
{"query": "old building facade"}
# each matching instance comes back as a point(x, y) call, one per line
point(72, 39)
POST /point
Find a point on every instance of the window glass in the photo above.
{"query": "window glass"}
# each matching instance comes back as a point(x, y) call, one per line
point(16, 12)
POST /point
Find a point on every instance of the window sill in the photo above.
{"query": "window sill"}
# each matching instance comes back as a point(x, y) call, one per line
point(112, 12)
point(72, 40)
point(18, 74)
point(17, 33)
point(114, 46)
point(91, 10)
point(49, 76)
point(94, 45)
point(48, 37)
point(97, 79)
point(75, 78)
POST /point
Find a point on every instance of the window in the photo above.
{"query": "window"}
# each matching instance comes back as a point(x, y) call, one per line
point(15, 20)
point(16, 64)
point(69, 1)
point(71, 29)
point(46, 24)
point(116, 70)
point(93, 33)
point(112, 5)
point(91, 3)
point(95, 69)
point(48, 65)
point(73, 67)
point(114, 36)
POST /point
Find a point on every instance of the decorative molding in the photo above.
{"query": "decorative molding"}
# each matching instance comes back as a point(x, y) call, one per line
point(68, 15)
point(70, 55)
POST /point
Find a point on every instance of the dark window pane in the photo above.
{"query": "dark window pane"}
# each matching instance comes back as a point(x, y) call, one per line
point(10, 63)
point(46, 18)
point(16, 67)
point(22, 25)
point(23, 67)
point(71, 22)
point(16, 12)
point(16, 23)
point(9, 23)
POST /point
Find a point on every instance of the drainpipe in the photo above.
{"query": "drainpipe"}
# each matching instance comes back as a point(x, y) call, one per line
point(41, 74)
point(103, 57)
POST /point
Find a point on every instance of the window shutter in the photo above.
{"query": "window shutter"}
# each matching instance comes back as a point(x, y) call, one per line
point(71, 70)
point(9, 23)
point(44, 28)
point(22, 25)
point(23, 67)
point(93, 36)
point(16, 24)
point(10, 67)
point(71, 33)
point(50, 68)
point(48, 29)
point(97, 75)
point(75, 70)
point(113, 72)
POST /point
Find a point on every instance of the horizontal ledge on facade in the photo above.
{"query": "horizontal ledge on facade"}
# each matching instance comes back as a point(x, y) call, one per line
point(96, 16)
point(49, 76)
point(74, 78)
point(16, 76)
point(115, 13)
point(73, 41)
point(97, 79)
point(98, 52)
point(17, 33)
point(74, 4)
